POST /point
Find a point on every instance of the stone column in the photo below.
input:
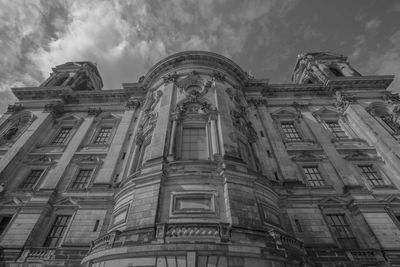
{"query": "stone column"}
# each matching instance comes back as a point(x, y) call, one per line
point(27, 138)
point(345, 171)
point(160, 131)
point(105, 175)
point(54, 175)
point(287, 166)
point(367, 127)
point(172, 140)
point(214, 135)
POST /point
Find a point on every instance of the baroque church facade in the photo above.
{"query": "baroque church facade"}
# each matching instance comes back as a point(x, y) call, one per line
point(199, 164)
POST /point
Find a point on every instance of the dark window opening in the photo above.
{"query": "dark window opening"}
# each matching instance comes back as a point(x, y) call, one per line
point(276, 176)
point(32, 179)
point(342, 230)
point(290, 131)
point(262, 133)
point(62, 136)
point(336, 72)
point(57, 231)
point(4, 221)
point(371, 175)
point(269, 153)
point(82, 179)
point(336, 129)
point(103, 136)
point(298, 225)
point(313, 176)
point(96, 226)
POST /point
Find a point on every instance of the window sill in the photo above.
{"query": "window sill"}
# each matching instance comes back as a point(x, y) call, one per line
point(384, 186)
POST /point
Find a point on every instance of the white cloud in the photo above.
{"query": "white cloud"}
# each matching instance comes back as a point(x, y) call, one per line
point(373, 24)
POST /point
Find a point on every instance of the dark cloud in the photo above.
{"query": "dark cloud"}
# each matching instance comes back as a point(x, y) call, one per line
point(125, 38)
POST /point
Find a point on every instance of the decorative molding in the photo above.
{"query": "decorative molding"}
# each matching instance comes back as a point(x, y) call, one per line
point(94, 111)
point(133, 103)
point(14, 108)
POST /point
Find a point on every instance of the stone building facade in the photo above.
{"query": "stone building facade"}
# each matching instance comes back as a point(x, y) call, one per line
point(198, 164)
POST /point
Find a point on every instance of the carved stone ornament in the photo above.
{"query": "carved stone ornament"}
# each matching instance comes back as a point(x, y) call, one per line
point(94, 111)
point(195, 83)
point(56, 110)
point(391, 97)
point(14, 108)
point(240, 123)
point(170, 78)
point(343, 100)
point(133, 103)
point(218, 76)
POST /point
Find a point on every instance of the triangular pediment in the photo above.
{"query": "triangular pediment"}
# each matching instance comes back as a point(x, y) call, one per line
point(285, 112)
point(393, 199)
point(325, 112)
point(331, 201)
point(68, 117)
point(66, 202)
point(107, 116)
point(13, 201)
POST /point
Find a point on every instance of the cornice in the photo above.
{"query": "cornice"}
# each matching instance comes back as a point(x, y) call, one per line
point(195, 58)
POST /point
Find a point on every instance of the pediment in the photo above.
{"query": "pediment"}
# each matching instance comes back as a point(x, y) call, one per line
point(332, 201)
point(326, 112)
point(68, 117)
point(285, 112)
point(66, 202)
point(12, 202)
point(393, 199)
point(107, 116)
point(359, 155)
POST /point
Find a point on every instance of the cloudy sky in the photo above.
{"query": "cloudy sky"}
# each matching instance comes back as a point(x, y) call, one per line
point(126, 37)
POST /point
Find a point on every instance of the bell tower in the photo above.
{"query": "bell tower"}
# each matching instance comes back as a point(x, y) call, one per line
point(319, 67)
point(79, 76)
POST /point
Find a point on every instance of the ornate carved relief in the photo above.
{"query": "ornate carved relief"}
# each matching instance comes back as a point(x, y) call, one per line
point(14, 126)
point(94, 111)
point(133, 103)
point(14, 108)
point(195, 84)
point(56, 110)
point(240, 123)
point(343, 99)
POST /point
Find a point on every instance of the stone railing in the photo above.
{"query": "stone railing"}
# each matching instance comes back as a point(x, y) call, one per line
point(38, 253)
point(104, 242)
point(285, 241)
point(193, 230)
point(363, 254)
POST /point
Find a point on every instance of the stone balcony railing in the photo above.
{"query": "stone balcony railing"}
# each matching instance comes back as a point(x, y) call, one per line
point(104, 242)
point(345, 255)
point(42, 253)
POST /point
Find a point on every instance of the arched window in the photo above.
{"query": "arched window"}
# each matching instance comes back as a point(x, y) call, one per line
point(15, 126)
point(336, 71)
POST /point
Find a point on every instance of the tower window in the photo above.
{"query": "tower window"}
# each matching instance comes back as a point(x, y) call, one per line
point(4, 222)
point(371, 175)
point(103, 136)
point(313, 176)
point(290, 131)
point(31, 179)
point(194, 144)
point(336, 130)
point(82, 179)
point(57, 231)
point(62, 136)
point(336, 72)
point(342, 230)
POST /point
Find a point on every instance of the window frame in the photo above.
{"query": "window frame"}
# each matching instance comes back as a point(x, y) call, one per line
point(334, 132)
point(193, 124)
point(107, 120)
point(263, 208)
point(88, 179)
point(65, 231)
point(334, 231)
point(297, 131)
point(376, 171)
point(98, 136)
point(64, 122)
point(120, 210)
point(2, 234)
point(92, 162)
point(66, 138)
point(320, 173)
point(27, 172)
point(190, 213)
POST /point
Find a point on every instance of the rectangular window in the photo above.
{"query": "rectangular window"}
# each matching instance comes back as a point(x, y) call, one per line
point(194, 144)
point(32, 179)
point(57, 231)
point(290, 131)
point(103, 136)
point(244, 152)
point(313, 176)
point(120, 217)
point(336, 129)
point(342, 230)
point(4, 222)
point(82, 179)
point(62, 136)
point(371, 175)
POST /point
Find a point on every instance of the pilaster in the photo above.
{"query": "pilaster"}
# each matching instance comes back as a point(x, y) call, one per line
point(54, 176)
point(105, 175)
